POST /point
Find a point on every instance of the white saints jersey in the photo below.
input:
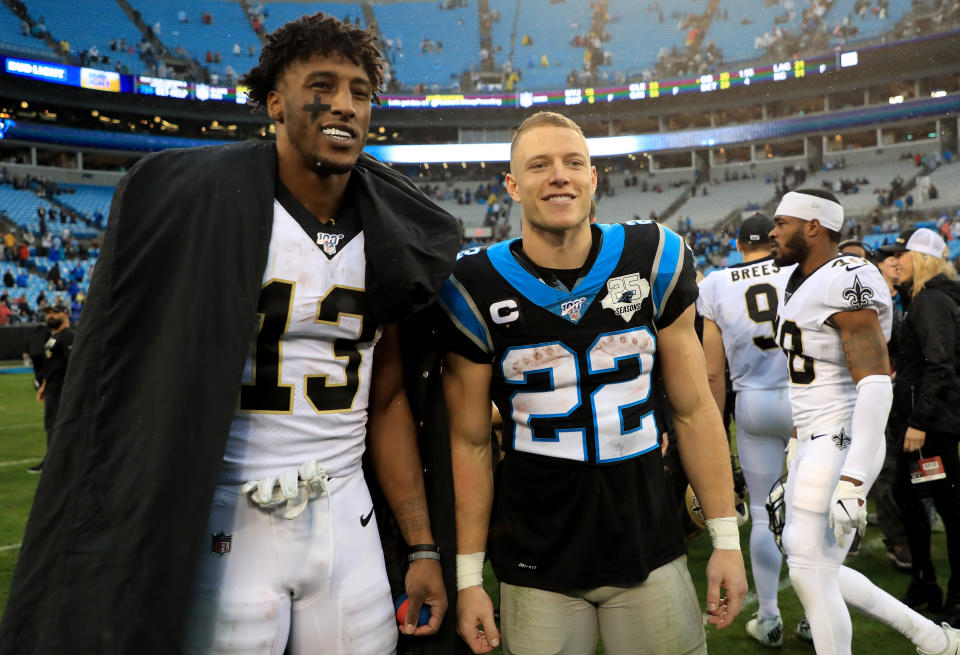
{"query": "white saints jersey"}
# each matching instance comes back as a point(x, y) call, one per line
point(821, 389)
point(743, 300)
point(307, 378)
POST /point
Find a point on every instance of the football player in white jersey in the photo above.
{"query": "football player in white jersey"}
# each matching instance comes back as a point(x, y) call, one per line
point(833, 325)
point(295, 557)
point(739, 309)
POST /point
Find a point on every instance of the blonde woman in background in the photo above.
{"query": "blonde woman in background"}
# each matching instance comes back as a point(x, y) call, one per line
point(927, 410)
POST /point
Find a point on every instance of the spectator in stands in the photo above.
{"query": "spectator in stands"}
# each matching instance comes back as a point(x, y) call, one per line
point(9, 247)
point(5, 310)
point(53, 275)
point(8, 279)
point(208, 57)
point(236, 49)
point(24, 253)
point(22, 279)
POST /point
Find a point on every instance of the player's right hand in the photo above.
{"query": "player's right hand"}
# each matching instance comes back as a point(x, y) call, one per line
point(475, 622)
point(791, 449)
point(848, 510)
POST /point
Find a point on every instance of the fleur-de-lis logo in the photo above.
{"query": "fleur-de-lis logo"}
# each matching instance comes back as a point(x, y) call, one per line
point(842, 440)
point(858, 295)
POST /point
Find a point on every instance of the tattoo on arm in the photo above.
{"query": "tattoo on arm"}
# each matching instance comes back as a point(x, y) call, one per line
point(411, 515)
point(865, 353)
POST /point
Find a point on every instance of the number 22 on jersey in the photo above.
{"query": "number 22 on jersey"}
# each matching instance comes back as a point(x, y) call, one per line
point(567, 384)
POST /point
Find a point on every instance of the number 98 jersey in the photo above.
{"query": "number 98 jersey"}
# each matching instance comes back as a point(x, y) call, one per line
point(822, 393)
point(580, 498)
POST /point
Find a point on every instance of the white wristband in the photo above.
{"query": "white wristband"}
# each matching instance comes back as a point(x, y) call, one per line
point(724, 533)
point(469, 570)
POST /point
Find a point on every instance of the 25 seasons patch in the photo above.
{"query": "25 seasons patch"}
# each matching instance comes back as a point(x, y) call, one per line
point(625, 295)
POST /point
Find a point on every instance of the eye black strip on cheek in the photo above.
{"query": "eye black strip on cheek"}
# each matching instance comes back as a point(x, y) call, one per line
point(316, 108)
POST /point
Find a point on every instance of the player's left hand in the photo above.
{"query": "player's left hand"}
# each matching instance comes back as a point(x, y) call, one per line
point(913, 440)
point(848, 510)
point(424, 584)
point(725, 571)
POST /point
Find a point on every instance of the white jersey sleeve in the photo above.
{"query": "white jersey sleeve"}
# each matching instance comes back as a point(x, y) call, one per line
point(859, 286)
point(743, 301)
point(822, 393)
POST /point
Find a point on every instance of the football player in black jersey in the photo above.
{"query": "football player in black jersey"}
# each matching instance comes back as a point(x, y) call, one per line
point(569, 330)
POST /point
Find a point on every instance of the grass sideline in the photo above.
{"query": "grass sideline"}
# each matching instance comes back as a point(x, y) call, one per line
point(22, 443)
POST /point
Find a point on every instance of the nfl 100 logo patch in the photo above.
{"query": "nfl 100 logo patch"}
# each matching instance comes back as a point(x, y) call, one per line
point(329, 242)
point(220, 543)
point(573, 309)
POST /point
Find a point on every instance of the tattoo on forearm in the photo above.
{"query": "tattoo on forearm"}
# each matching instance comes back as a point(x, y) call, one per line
point(411, 515)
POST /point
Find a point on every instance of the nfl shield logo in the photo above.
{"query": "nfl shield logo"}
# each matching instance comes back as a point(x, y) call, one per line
point(220, 543)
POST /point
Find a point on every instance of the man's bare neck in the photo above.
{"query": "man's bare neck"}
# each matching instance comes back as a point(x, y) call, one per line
point(559, 250)
point(755, 256)
point(320, 194)
point(817, 258)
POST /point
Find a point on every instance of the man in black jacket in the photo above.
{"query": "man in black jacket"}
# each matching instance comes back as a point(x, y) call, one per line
point(56, 354)
point(181, 361)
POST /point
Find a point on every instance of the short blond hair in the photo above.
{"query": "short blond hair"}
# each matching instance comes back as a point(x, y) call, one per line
point(925, 268)
point(541, 119)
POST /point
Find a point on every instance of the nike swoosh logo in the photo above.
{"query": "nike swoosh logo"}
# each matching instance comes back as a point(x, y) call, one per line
point(853, 268)
point(817, 436)
point(366, 519)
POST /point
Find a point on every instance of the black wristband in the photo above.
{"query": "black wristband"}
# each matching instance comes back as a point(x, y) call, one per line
point(423, 548)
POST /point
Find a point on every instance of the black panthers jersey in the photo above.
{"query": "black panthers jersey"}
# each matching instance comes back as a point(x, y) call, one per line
point(580, 499)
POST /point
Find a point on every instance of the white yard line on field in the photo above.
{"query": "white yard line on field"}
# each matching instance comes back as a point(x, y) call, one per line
point(21, 425)
point(18, 462)
point(4, 549)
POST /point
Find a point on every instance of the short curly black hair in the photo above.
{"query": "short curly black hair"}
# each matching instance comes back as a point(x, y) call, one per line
point(317, 34)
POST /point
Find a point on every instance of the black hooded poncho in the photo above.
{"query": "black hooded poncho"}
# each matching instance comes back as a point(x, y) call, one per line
point(108, 557)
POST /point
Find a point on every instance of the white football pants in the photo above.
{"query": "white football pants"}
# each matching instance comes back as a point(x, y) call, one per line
point(318, 580)
point(763, 428)
point(815, 558)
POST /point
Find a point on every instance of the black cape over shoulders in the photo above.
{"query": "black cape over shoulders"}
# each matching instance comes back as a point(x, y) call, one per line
point(107, 561)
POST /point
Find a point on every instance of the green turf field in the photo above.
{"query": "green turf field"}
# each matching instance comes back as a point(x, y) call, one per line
point(22, 444)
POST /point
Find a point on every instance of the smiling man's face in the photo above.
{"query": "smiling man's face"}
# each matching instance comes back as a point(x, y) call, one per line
point(551, 177)
point(322, 108)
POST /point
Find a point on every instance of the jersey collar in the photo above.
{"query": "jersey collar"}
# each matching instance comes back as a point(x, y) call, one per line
point(551, 298)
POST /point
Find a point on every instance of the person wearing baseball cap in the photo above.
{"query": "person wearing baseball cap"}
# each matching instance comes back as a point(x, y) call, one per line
point(926, 412)
point(920, 240)
point(56, 355)
point(755, 231)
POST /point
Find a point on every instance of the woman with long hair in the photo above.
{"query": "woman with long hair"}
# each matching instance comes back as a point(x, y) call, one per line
point(926, 412)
